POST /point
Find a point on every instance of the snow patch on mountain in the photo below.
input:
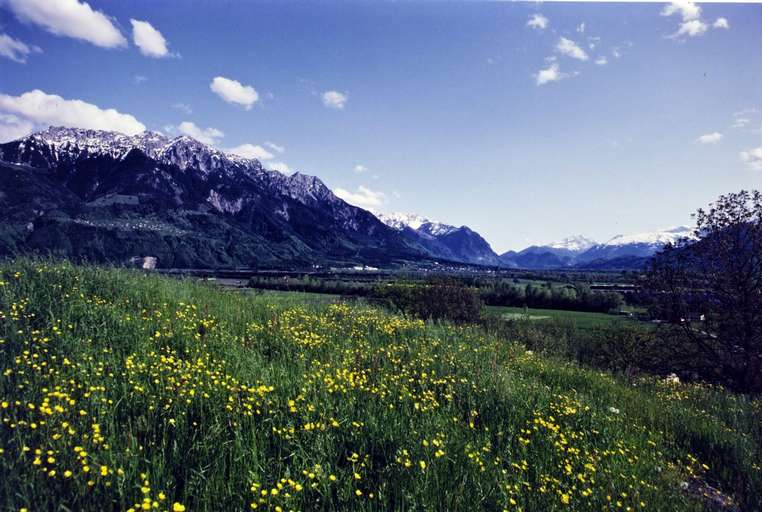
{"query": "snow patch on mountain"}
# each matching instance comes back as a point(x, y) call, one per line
point(400, 221)
point(576, 243)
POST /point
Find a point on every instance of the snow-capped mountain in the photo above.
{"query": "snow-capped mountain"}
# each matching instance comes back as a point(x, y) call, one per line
point(654, 238)
point(632, 250)
point(105, 196)
point(562, 253)
point(443, 240)
point(399, 221)
point(621, 251)
point(59, 145)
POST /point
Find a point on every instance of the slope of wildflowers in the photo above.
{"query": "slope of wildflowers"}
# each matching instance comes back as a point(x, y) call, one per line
point(121, 391)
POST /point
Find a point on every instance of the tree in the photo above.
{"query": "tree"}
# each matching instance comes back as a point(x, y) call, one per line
point(709, 292)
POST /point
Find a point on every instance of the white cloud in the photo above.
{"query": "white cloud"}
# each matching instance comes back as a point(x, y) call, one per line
point(234, 91)
point(364, 197)
point(49, 109)
point(581, 28)
point(16, 50)
point(550, 74)
point(149, 40)
point(334, 99)
point(278, 166)
point(538, 22)
point(183, 107)
point(753, 158)
point(139, 79)
point(570, 49)
point(692, 25)
point(692, 28)
point(359, 169)
point(251, 151)
point(275, 147)
point(601, 61)
point(13, 127)
point(208, 136)
point(710, 138)
point(70, 18)
point(688, 10)
point(721, 23)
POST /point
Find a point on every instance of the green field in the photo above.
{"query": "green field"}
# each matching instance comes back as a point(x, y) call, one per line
point(283, 298)
point(581, 319)
point(126, 391)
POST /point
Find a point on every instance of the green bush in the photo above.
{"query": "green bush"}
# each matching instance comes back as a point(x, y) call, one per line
point(435, 299)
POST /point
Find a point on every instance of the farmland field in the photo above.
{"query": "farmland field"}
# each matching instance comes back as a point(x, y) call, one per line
point(127, 391)
point(581, 319)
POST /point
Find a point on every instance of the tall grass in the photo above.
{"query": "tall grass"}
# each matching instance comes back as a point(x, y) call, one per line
point(126, 391)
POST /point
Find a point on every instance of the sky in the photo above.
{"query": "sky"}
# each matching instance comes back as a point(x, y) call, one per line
point(528, 122)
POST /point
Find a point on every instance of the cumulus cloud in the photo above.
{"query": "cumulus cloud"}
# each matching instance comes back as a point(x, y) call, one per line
point(45, 109)
point(581, 28)
point(278, 166)
point(601, 61)
point(334, 99)
point(570, 49)
point(234, 91)
point(363, 197)
point(359, 169)
point(208, 136)
point(69, 18)
point(251, 151)
point(13, 127)
point(753, 158)
point(710, 138)
point(688, 10)
point(721, 23)
point(16, 50)
point(550, 74)
point(692, 28)
point(149, 41)
point(538, 22)
point(275, 147)
point(692, 25)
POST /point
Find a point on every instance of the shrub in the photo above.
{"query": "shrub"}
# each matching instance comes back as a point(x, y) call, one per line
point(434, 299)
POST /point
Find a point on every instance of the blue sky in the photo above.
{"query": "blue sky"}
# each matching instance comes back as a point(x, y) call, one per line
point(432, 108)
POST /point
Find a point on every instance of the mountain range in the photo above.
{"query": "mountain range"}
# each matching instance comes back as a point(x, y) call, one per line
point(464, 244)
point(107, 197)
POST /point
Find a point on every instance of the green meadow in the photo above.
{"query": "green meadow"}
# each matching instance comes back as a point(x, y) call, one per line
point(122, 390)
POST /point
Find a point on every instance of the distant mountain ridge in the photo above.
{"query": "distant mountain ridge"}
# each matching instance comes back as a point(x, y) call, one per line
point(443, 240)
point(620, 252)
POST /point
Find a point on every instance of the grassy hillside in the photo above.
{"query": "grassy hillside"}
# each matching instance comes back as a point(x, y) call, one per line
point(122, 391)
